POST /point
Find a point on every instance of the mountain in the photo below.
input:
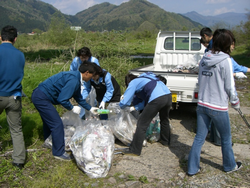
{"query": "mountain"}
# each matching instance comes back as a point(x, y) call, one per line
point(132, 15)
point(27, 15)
point(230, 19)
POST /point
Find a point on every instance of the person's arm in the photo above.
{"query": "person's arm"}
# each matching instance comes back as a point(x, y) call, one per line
point(239, 68)
point(128, 95)
point(109, 88)
point(229, 83)
point(74, 64)
point(67, 92)
point(85, 89)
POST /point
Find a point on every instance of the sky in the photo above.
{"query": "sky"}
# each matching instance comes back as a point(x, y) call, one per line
point(203, 7)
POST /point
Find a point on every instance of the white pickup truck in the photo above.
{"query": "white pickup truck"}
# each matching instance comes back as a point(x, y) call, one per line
point(177, 55)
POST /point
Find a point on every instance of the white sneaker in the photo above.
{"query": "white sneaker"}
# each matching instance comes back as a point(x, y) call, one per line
point(237, 167)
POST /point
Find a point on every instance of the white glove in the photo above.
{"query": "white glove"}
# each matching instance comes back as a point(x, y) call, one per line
point(240, 75)
point(129, 108)
point(236, 106)
point(102, 105)
point(122, 97)
point(93, 110)
point(76, 109)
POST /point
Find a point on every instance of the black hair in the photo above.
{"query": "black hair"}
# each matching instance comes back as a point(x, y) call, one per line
point(222, 41)
point(87, 66)
point(128, 78)
point(84, 51)
point(162, 78)
point(8, 33)
point(98, 70)
point(207, 31)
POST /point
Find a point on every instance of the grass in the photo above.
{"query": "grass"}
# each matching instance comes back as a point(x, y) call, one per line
point(41, 169)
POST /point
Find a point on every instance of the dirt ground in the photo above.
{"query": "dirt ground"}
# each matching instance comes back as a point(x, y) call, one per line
point(167, 166)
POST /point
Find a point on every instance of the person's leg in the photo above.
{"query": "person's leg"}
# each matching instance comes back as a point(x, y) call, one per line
point(203, 121)
point(148, 113)
point(51, 121)
point(14, 114)
point(222, 123)
point(165, 131)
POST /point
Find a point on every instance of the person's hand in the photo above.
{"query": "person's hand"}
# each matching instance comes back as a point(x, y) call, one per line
point(102, 105)
point(76, 109)
point(236, 106)
point(240, 75)
point(122, 97)
point(129, 108)
point(93, 110)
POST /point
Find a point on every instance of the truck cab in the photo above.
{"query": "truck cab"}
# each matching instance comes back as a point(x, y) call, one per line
point(177, 56)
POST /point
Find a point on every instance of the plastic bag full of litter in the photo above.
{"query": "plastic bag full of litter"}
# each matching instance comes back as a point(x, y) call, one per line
point(122, 123)
point(93, 147)
point(70, 122)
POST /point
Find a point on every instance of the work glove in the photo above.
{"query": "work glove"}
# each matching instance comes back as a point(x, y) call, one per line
point(240, 75)
point(76, 109)
point(93, 110)
point(122, 97)
point(102, 105)
point(129, 108)
point(236, 106)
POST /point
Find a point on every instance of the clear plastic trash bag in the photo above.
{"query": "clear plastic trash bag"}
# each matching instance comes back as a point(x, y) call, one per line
point(70, 122)
point(93, 147)
point(122, 123)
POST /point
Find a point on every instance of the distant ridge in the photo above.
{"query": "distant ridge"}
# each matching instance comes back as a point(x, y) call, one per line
point(134, 15)
point(230, 19)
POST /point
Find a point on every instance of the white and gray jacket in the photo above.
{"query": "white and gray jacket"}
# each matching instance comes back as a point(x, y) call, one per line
point(216, 82)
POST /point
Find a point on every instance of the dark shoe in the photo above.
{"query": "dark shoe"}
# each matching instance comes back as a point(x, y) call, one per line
point(164, 143)
point(195, 173)
point(64, 157)
point(18, 165)
point(237, 167)
point(128, 152)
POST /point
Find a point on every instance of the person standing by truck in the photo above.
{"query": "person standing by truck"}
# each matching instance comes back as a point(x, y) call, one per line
point(207, 37)
point(12, 63)
point(238, 72)
point(216, 85)
point(59, 89)
point(156, 97)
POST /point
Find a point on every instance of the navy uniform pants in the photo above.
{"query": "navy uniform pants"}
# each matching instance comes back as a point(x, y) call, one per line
point(52, 122)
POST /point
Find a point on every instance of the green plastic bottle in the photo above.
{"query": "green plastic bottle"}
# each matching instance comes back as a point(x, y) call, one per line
point(104, 111)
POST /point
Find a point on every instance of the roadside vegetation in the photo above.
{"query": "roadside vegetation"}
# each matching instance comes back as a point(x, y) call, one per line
point(51, 52)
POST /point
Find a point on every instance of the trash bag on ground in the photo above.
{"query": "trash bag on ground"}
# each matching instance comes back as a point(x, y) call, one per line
point(122, 123)
point(93, 147)
point(70, 122)
point(91, 99)
point(153, 131)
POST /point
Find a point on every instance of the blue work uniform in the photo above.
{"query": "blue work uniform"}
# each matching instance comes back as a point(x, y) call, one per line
point(107, 90)
point(74, 66)
point(154, 97)
point(58, 89)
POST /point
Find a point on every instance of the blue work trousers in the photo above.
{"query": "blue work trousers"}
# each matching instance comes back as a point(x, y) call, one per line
point(52, 122)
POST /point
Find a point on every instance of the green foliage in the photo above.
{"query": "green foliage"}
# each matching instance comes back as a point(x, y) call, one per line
point(43, 61)
point(143, 179)
point(133, 16)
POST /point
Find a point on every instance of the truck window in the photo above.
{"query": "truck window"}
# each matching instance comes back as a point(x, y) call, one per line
point(182, 43)
point(168, 45)
point(196, 45)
